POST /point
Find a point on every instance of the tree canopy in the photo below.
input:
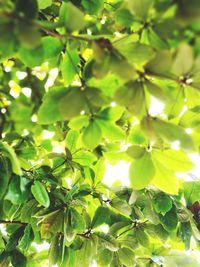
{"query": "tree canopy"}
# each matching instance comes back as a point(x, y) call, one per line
point(80, 86)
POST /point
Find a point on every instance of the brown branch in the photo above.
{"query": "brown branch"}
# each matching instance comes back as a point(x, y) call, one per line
point(12, 222)
point(135, 225)
point(37, 25)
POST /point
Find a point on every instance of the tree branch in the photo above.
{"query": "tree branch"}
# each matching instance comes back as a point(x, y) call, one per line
point(135, 225)
point(42, 28)
point(12, 222)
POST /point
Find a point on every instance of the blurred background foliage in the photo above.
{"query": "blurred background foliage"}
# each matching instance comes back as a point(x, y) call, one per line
point(82, 84)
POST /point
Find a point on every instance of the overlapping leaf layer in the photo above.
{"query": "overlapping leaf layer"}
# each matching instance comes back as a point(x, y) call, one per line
point(79, 84)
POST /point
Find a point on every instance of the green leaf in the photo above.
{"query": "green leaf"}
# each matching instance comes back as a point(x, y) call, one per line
point(140, 8)
point(18, 190)
point(96, 97)
point(29, 8)
point(129, 241)
point(191, 191)
point(115, 262)
point(186, 233)
point(126, 257)
point(42, 4)
point(79, 122)
point(136, 151)
point(99, 170)
point(4, 179)
point(29, 36)
point(109, 241)
point(93, 6)
point(51, 223)
point(169, 220)
point(110, 130)
point(31, 57)
point(18, 259)
point(9, 152)
point(174, 160)
point(195, 230)
point(124, 17)
point(54, 251)
point(104, 257)
point(159, 67)
point(28, 210)
point(76, 220)
point(121, 67)
point(71, 17)
point(155, 90)
point(171, 132)
point(121, 206)
point(162, 203)
point(52, 47)
point(111, 113)
point(71, 140)
point(131, 95)
point(142, 237)
point(165, 179)
point(72, 103)
point(184, 59)
point(8, 44)
point(134, 52)
point(156, 41)
point(40, 194)
point(26, 239)
point(14, 239)
point(69, 66)
point(142, 171)
point(92, 135)
point(101, 216)
point(84, 158)
point(49, 111)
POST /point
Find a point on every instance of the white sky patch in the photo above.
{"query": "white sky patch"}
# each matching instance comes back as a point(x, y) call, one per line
point(26, 91)
point(2, 230)
point(48, 134)
point(68, 181)
point(183, 111)
point(53, 73)
point(58, 147)
point(175, 145)
point(7, 69)
point(3, 110)
point(117, 172)
point(124, 146)
point(25, 132)
point(113, 104)
point(93, 264)
point(194, 174)
point(76, 83)
point(21, 75)
point(104, 228)
point(117, 34)
point(189, 131)
point(89, 32)
point(156, 107)
point(196, 159)
point(103, 20)
point(34, 118)
point(42, 246)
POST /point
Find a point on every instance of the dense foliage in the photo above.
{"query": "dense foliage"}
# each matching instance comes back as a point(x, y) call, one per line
point(79, 81)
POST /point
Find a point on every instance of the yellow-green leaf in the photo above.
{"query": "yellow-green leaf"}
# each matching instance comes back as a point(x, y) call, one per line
point(141, 172)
